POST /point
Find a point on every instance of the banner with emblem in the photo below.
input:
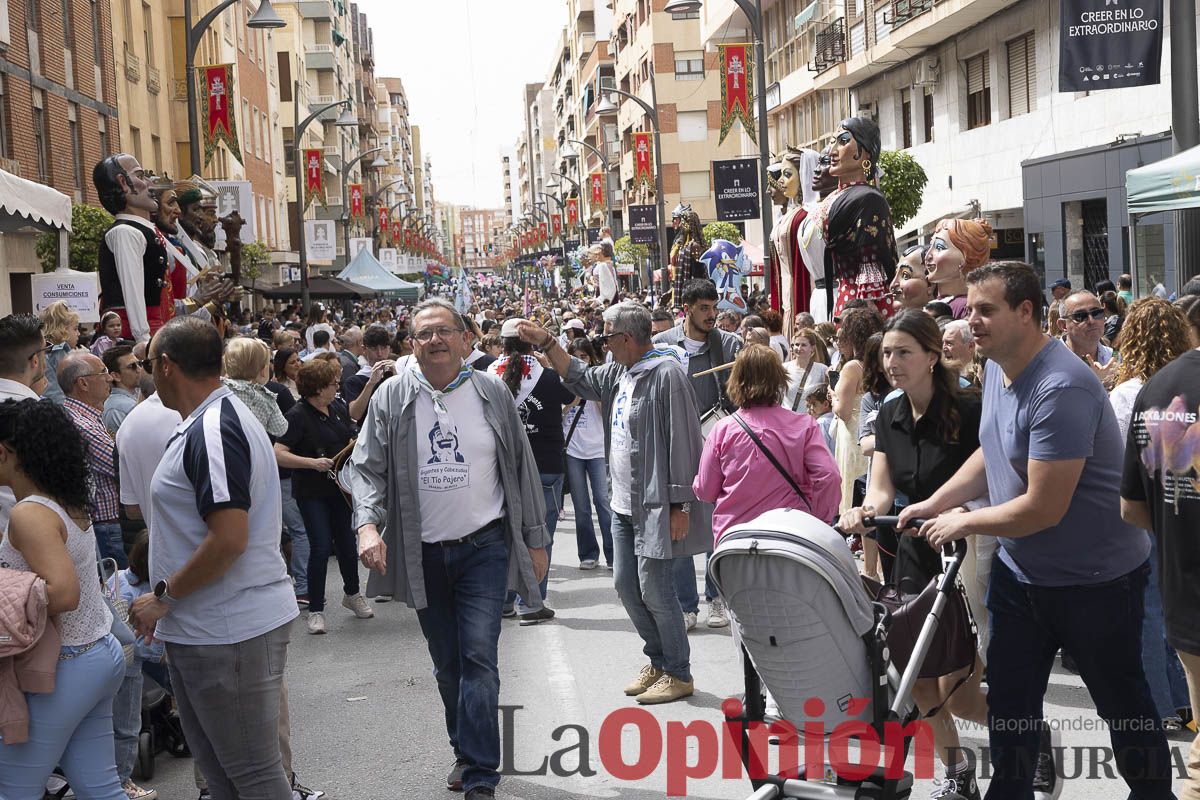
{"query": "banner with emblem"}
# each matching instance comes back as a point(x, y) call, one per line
point(556, 223)
point(596, 181)
point(217, 107)
point(397, 229)
point(313, 186)
point(385, 223)
point(572, 212)
point(737, 88)
point(643, 158)
point(356, 201)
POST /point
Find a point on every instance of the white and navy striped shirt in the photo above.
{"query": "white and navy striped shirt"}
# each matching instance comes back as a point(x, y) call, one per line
point(218, 458)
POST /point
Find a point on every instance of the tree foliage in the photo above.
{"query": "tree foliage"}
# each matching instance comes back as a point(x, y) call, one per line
point(721, 230)
point(88, 225)
point(629, 253)
point(255, 258)
point(903, 184)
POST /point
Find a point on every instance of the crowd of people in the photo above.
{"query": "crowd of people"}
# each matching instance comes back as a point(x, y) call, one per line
point(218, 466)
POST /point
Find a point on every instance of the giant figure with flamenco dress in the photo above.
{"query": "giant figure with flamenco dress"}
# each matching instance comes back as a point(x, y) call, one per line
point(798, 243)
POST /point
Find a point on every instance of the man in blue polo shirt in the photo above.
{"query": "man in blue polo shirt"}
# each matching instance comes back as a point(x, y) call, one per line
point(1069, 572)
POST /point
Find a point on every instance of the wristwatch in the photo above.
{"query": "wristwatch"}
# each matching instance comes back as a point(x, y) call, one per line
point(161, 593)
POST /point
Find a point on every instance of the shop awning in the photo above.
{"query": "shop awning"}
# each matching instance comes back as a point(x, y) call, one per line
point(1167, 185)
point(25, 204)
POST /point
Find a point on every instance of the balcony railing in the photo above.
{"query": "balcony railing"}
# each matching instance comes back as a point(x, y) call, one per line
point(153, 80)
point(904, 10)
point(133, 67)
point(829, 48)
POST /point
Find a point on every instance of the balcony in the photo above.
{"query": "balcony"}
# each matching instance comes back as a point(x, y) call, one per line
point(905, 10)
point(320, 56)
point(330, 114)
point(317, 9)
point(133, 67)
point(153, 80)
point(829, 48)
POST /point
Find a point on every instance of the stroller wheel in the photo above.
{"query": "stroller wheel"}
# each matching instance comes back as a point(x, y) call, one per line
point(145, 755)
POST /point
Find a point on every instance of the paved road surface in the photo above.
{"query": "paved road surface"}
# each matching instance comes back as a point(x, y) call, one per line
point(367, 719)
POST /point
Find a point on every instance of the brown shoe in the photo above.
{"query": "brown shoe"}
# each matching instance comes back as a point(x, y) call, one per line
point(645, 679)
point(666, 689)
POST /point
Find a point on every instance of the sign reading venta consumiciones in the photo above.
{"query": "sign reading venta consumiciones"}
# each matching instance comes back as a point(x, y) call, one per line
point(1109, 44)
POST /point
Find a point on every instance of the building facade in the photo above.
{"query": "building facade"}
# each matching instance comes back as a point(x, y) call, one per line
point(480, 239)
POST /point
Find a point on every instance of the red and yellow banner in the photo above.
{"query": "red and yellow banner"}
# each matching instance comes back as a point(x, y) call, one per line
point(385, 223)
point(737, 88)
point(572, 212)
point(556, 223)
point(596, 181)
point(543, 236)
point(313, 173)
point(219, 110)
point(643, 158)
point(356, 201)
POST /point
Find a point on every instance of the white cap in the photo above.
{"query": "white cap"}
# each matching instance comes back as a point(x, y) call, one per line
point(509, 329)
point(574, 325)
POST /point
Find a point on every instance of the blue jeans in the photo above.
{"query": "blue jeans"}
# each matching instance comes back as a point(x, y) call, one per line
point(581, 472)
point(684, 575)
point(127, 720)
point(293, 528)
point(111, 542)
point(647, 591)
point(1164, 672)
point(327, 521)
point(72, 727)
point(551, 492)
point(1101, 627)
point(464, 588)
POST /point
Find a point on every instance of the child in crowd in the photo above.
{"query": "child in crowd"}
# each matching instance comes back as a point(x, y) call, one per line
point(820, 407)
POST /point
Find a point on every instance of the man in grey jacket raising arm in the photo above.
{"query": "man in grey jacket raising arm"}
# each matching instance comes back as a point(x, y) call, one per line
point(652, 439)
point(443, 462)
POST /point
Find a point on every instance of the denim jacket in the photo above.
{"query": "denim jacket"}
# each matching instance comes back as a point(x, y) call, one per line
point(386, 490)
point(664, 429)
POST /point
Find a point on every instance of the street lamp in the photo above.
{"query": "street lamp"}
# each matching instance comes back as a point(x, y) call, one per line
point(562, 213)
point(608, 107)
point(377, 163)
point(264, 19)
point(753, 11)
point(344, 120)
point(570, 154)
point(579, 191)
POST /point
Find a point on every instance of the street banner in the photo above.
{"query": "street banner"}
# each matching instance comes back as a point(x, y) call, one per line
point(643, 159)
point(313, 176)
point(387, 257)
point(79, 290)
point(556, 223)
point(236, 196)
point(1109, 44)
point(542, 234)
point(737, 88)
point(596, 181)
point(385, 223)
point(643, 224)
point(735, 183)
point(217, 108)
point(397, 227)
point(356, 201)
point(360, 243)
point(572, 212)
point(320, 240)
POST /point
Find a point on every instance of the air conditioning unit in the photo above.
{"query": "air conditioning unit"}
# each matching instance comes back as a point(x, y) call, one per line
point(927, 72)
point(866, 111)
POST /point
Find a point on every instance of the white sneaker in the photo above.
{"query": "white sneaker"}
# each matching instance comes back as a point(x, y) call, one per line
point(587, 563)
point(135, 792)
point(718, 616)
point(316, 622)
point(689, 620)
point(358, 604)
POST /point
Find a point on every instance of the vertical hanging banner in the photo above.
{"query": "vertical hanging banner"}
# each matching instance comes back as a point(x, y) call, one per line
point(220, 118)
point(735, 185)
point(596, 181)
point(543, 237)
point(572, 212)
point(385, 223)
point(643, 159)
point(356, 201)
point(312, 177)
point(556, 223)
point(737, 89)
point(397, 226)
point(1109, 44)
point(643, 224)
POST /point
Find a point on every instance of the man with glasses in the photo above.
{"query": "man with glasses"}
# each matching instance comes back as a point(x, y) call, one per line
point(127, 375)
point(1082, 326)
point(86, 384)
point(22, 366)
point(463, 522)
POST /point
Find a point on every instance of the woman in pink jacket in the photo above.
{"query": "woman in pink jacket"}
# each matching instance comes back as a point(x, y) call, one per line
point(738, 477)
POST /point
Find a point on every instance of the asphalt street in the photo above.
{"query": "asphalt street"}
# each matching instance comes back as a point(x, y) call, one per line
point(367, 721)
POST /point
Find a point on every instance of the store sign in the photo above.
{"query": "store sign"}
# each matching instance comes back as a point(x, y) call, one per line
point(79, 290)
point(735, 182)
point(643, 224)
point(1109, 44)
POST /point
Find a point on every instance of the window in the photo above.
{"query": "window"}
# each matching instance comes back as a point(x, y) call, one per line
point(104, 149)
point(97, 36)
point(156, 151)
point(128, 24)
point(33, 20)
point(906, 120)
point(693, 126)
point(693, 184)
point(1022, 75)
point(927, 113)
point(248, 147)
point(979, 92)
point(285, 77)
point(76, 143)
point(682, 15)
point(689, 66)
point(68, 24)
point(135, 143)
point(39, 136)
point(250, 35)
point(148, 34)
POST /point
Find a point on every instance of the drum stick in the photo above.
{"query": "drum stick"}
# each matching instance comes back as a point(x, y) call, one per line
point(726, 365)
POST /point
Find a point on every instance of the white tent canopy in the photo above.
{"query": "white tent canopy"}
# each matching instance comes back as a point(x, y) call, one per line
point(365, 270)
point(25, 204)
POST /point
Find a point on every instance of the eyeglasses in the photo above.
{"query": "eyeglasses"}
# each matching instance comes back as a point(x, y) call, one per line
point(442, 333)
point(1080, 317)
point(605, 337)
point(148, 363)
point(133, 365)
point(106, 374)
point(49, 346)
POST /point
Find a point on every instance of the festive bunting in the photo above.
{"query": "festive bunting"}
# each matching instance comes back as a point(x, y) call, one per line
point(596, 181)
point(643, 163)
point(737, 89)
point(572, 212)
point(220, 119)
point(356, 201)
point(313, 177)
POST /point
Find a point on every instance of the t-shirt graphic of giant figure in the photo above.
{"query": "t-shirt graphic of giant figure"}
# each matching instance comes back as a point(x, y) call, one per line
point(446, 468)
point(444, 446)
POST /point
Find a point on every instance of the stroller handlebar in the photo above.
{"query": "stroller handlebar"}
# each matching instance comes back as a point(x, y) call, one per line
point(959, 548)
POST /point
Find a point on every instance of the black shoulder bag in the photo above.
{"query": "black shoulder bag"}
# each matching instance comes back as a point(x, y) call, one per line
point(771, 457)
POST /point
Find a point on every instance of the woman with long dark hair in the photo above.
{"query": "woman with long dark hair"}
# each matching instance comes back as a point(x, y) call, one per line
point(44, 461)
point(540, 396)
point(922, 436)
point(583, 426)
point(285, 367)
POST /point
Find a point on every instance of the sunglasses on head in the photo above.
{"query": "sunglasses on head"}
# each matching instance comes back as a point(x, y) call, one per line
point(1080, 317)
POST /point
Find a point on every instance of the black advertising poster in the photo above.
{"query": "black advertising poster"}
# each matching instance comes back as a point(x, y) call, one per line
point(643, 224)
point(735, 182)
point(593, 235)
point(1109, 44)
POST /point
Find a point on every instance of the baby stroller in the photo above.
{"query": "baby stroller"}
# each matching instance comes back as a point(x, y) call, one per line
point(161, 729)
point(811, 631)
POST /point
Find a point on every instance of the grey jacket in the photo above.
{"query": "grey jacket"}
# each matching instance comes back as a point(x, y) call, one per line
point(705, 387)
point(386, 494)
point(664, 429)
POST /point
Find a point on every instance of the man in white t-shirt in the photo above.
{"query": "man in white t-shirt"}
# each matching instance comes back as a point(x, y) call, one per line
point(465, 522)
point(22, 365)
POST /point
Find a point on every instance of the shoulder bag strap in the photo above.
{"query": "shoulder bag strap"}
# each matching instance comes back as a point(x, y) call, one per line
point(716, 358)
point(574, 424)
point(800, 389)
point(770, 457)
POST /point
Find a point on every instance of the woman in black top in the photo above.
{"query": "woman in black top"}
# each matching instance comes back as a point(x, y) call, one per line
point(319, 427)
point(922, 436)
